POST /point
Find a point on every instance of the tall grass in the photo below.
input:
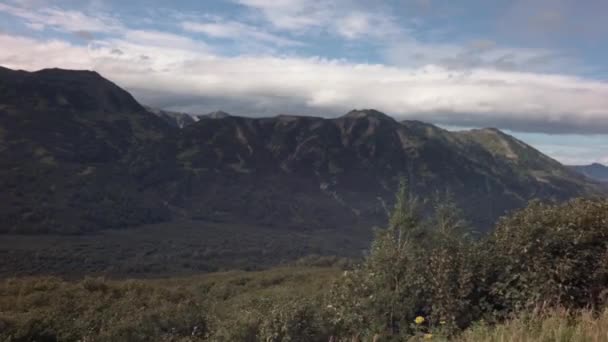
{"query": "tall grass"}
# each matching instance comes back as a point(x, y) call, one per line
point(547, 326)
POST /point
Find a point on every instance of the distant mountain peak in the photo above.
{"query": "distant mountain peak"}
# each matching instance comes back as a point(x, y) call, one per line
point(76, 90)
point(491, 129)
point(488, 130)
point(218, 114)
point(368, 113)
point(594, 171)
point(66, 72)
point(175, 119)
point(111, 165)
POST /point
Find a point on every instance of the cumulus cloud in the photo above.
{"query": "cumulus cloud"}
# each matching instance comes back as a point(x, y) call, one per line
point(477, 54)
point(359, 24)
point(523, 101)
point(476, 83)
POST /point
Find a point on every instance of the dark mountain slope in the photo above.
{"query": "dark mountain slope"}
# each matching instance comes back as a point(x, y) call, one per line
point(303, 170)
point(175, 119)
point(219, 114)
point(71, 148)
point(79, 154)
point(529, 170)
point(83, 91)
point(595, 171)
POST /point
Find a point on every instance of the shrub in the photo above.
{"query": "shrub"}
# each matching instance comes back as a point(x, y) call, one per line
point(421, 277)
point(274, 319)
point(552, 254)
point(546, 255)
point(415, 268)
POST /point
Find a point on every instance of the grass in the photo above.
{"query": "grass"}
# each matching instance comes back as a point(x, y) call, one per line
point(177, 309)
point(192, 308)
point(549, 326)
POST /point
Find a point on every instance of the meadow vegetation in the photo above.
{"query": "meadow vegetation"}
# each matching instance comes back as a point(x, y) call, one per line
point(541, 275)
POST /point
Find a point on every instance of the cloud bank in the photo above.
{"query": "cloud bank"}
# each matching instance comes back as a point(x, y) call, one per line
point(167, 69)
point(474, 83)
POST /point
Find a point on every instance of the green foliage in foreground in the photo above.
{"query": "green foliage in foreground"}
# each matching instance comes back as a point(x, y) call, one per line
point(279, 304)
point(423, 278)
point(545, 255)
point(49, 309)
point(548, 326)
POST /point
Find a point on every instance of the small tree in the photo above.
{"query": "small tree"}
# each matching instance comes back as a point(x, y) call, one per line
point(382, 295)
point(416, 267)
point(455, 272)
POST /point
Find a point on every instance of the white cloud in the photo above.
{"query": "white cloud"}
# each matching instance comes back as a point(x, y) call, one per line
point(358, 24)
point(292, 14)
point(152, 38)
point(354, 25)
point(476, 54)
point(518, 100)
point(475, 83)
point(30, 54)
point(60, 19)
point(237, 31)
point(345, 18)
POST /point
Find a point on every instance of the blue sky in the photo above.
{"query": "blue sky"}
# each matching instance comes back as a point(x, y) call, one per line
point(536, 68)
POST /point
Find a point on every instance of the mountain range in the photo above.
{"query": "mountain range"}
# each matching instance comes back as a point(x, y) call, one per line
point(80, 154)
point(594, 171)
point(175, 119)
point(181, 120)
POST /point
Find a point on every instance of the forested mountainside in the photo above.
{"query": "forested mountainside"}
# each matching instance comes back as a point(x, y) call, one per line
point(78, 154)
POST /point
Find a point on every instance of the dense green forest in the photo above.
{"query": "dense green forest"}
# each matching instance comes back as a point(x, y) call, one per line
point(541, 275)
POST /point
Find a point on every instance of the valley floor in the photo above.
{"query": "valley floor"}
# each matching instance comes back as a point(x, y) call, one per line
point(172, 249)
point(172, 309)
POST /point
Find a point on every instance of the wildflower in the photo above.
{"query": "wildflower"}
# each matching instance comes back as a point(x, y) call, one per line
point(442, 322)
point(428, 336)
point(419, 320)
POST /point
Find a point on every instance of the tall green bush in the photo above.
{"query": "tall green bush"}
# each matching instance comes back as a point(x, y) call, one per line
point(415, 267)
point(545, 255)
point(552, 255)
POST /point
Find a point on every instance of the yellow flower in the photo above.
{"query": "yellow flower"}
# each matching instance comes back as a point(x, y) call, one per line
point(442, 322)
point(428, 336)
point(419, 320)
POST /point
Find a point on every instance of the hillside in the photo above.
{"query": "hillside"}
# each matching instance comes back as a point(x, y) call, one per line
point(444, 286)
point(79, 154)
point(594, 171)
point(175, 119)
point(346, 169)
